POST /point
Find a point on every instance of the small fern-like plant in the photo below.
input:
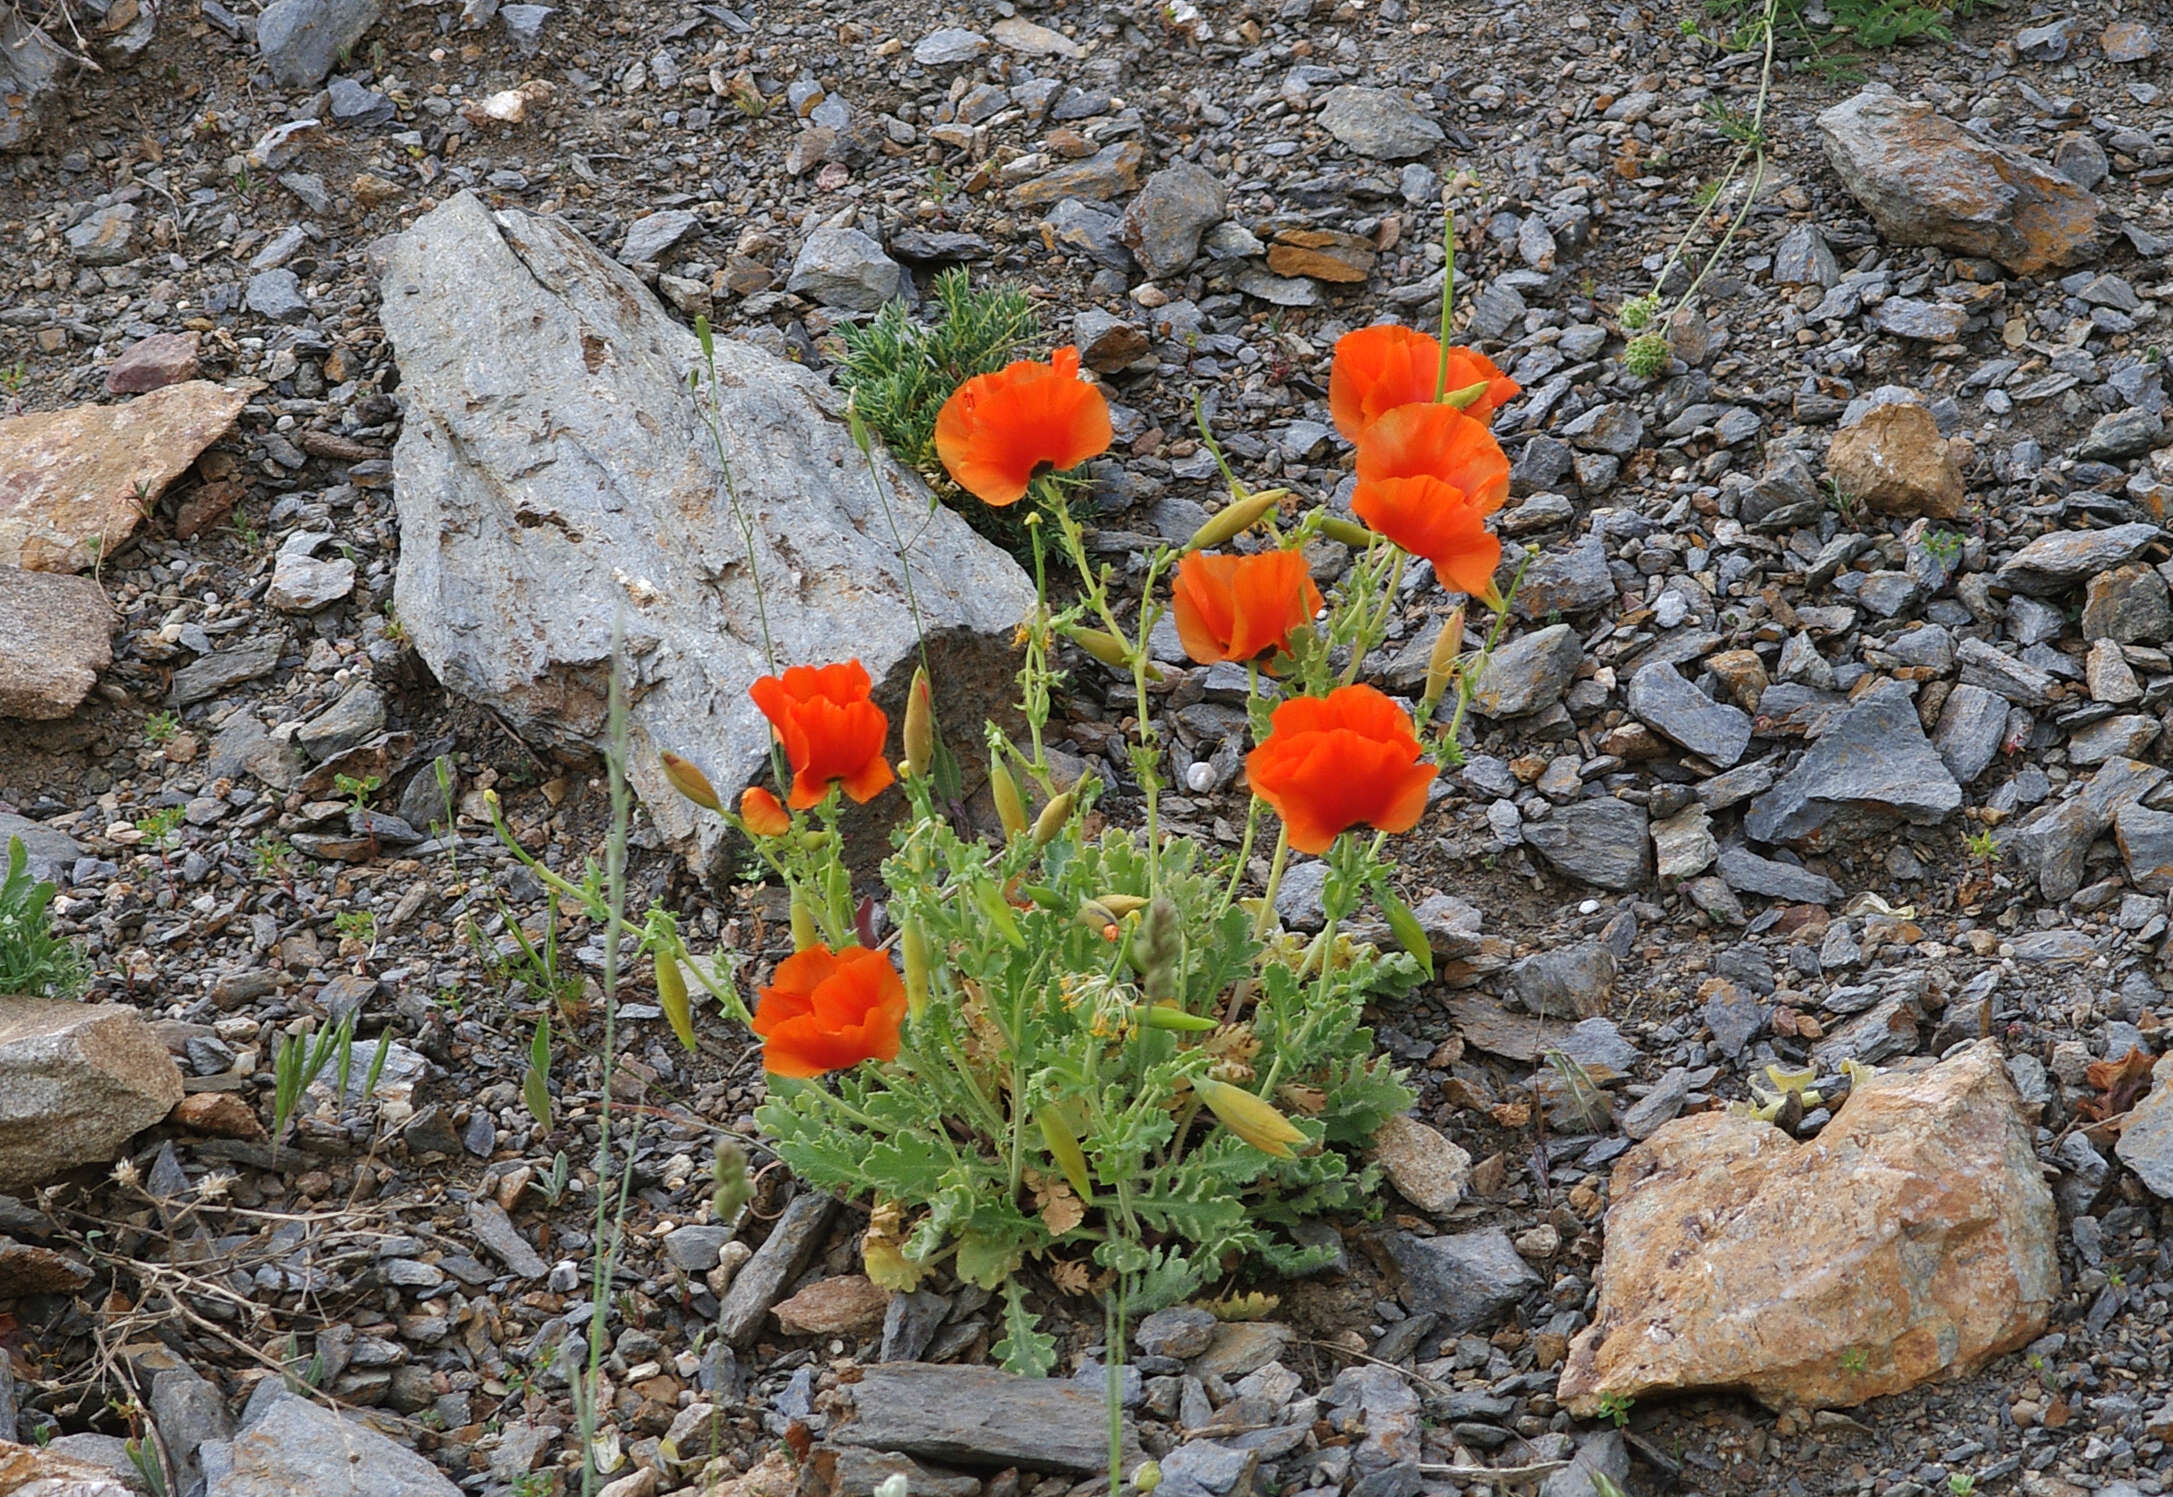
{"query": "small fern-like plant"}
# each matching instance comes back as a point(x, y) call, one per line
point(899, 371)
point(33, 960)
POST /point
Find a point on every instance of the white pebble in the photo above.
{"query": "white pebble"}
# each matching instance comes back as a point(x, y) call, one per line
point(1589, 907)
point(1200, 777)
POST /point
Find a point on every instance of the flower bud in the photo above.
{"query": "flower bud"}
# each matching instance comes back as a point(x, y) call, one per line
point(671, 996)
point(1103, 646)
point(691, 783)
point(913, 944)
point(1064, 1149)
point(804, 930)
point(1441, 663)
point(1010, 810)
point(1146, 1476)
point(1250, 1117)
point(1121, 905)
point(920, 725)
point(1356, 536)
point(764, 816)
point(1167, 1015)
point(1464, 398)
point(1096, 916)
point(1235, 518)
point(1052, 819)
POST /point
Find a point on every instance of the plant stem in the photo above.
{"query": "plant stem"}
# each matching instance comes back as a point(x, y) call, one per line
point(1448, 293)
point(1266, 917)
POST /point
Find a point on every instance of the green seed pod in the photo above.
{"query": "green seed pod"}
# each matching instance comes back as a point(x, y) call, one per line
point(691, 782)
point(1356, 536)
point(920, 726)
point(671, 996)
point(1064, 1149)
point(1052, 819)
point(1170, 1016)
point(1235, 518)
point(913, 943)
point(1103, 646)
point(805, 933)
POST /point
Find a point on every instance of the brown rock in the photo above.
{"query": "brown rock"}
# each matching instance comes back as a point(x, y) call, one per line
point(218, 1114)
point(851, 1472)
point(1323, 254)
point(35, 1270)
point(1895, 461)
point(1430, 1171)
point(56, 635)
point(775, 1475)
point(1109, 173)
point(32, 1472)
point(833, 1307)
point(1924, 180)
point(158, 361)
point(1913, 1238)
point(77, 1080)
point(74, 484)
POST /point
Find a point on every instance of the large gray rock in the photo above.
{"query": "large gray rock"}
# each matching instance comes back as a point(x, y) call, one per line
point(1603, 841)
point(296, 1446)
point(1924, 180)
point(55, 637)
point(1378, 122)
point(978, 1417)
point(1676, 710)
point(2062, 558)
point(1528, 674)
point(77, 1080)
point(844, 268)
point(302, 39)
point(1872, 762)
point(554, 474)
point(31, 68)
point(1467, 1279)
point(1164, 224)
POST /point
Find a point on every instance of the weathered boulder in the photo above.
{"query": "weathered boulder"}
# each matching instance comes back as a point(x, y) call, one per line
point(77, 1080)
point(1925, 180)
point(1872, 766)
point(294, 1445)
point(1896, 462)
point(31, 68)
point(1914, 1237)
point(554, 475)
point(56, 635)
point(978, 1417)
point(32, 1472)
point(75, 483)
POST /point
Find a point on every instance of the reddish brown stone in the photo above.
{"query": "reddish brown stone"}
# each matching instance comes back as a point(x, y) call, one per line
point(158, 361)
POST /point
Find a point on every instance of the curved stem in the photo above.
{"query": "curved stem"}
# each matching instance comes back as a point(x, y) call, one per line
point(1266, 917)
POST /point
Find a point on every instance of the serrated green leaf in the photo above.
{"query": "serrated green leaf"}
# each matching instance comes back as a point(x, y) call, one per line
point(988, 1259)
point(1025, 1350)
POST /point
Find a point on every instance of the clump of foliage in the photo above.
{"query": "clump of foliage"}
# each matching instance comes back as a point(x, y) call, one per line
point(33, 960)
point(899, 371)
point(1817, 29)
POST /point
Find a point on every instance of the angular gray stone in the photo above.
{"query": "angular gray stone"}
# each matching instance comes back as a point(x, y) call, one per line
point(2146, 845)
point(1663, 701)
point(761, 1280)
point(652, 238)
point(1803, 258)
point(1992, 669)
point(1468, 1280)
point(950, 47)
point(495, 1230)
point(303, 584)
point(1565, 982)
point(1181, 1331)
point(2122, 434)
point(355, 716)
point(1972, 723)
point(103, 237)
point(1614, 428)
point(844, 268)
point(525, 357)
point(1528, 674)
point(51, 851)
point(56, 635)
point(1600, 842)
point(1684, 844)
point(1378, 122)
point(1873, 760)
point(2063, 558)
point(1745, 871)
point(190, 1413)
point(302, 39)
point(77, 1081)
point(2124, 737)
point(2129, 604)
point(2146, 1143)
point(277, 294)
point(1177, 205)
point(1570, 579)
point(32, 66)
point(978, 1418)
point(1924, 321)
point(1924, 180)
point(295, 1446)
point(354, 104)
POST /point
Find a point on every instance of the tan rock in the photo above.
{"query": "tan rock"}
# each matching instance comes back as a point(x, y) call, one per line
point(56, 635)
point(1913, 1238)
point(775, 1475)
point(26, 1471)
point(77, 1080)
point(1925, 180)
point(74, 484)
point(1323, 254)
point(1431, 1171)
point(1111, 172)
point(218, 1114)
point(832, 1307)
point(1895, 461)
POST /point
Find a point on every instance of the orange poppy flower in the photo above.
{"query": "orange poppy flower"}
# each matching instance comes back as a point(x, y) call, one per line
point(1330, 763)
point(1379, 368)
point(1435, 520)
point(1239, 607)
point(763, 815)
point(829, 728)
point(1437, 441)
point(826, 1010)
point(998, 432)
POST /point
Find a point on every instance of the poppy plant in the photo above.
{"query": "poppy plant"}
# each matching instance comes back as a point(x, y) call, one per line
point(1240, 607)
point(830, 729)
point(1436, 520)
point(1376, 369)
point(1436, 441)
point(825, 1010)
point(1330, 763)
point(999, 432)
point(763, 815)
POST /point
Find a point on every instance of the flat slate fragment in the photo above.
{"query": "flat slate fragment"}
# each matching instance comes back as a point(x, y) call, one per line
point(978, 1417)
